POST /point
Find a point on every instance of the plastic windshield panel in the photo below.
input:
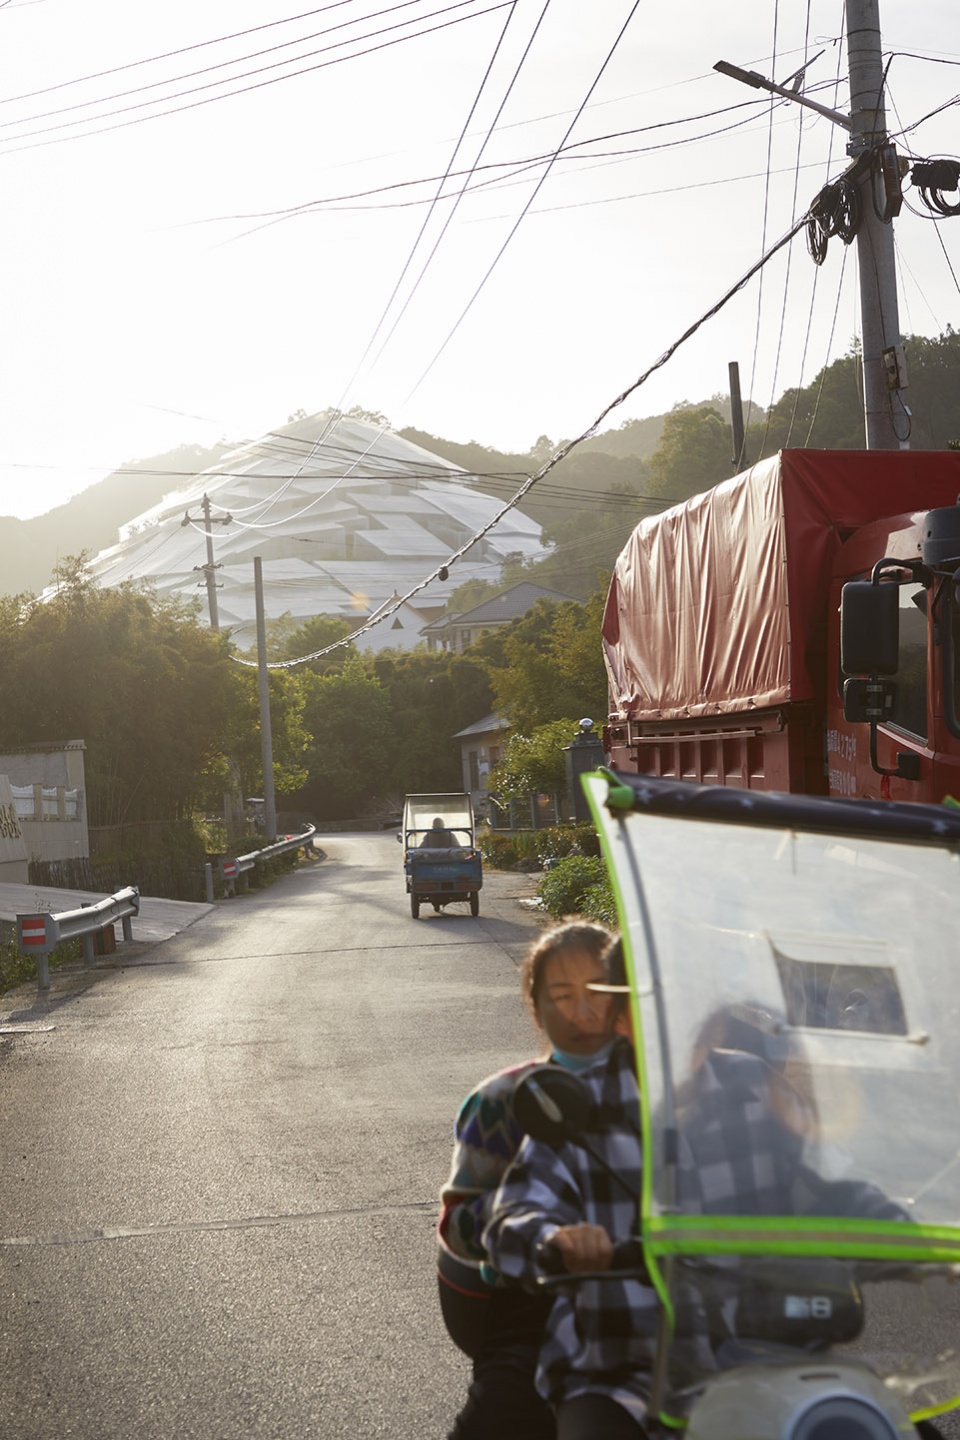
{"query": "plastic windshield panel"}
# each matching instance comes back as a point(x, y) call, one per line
point(799, 1021)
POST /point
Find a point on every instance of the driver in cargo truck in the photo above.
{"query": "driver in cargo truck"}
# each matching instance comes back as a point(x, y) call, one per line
point(438, 837)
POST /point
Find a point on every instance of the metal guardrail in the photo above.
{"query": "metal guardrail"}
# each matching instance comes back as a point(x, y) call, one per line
point(40, 934)
point(233, 866)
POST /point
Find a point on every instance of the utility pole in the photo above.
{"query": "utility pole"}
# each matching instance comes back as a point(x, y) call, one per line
point(736, 417)
point(210, 568)
point(263, 678)
point(885, 413)
point(875, 172)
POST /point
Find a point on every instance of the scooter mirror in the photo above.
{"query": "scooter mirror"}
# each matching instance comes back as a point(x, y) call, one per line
point(552, 1105)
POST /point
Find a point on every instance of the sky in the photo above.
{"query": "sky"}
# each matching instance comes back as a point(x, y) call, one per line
point(485, 219)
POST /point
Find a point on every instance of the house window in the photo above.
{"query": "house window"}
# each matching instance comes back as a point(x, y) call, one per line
point(494, 755)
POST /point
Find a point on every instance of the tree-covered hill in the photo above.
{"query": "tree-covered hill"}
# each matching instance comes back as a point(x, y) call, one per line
point(589, 502)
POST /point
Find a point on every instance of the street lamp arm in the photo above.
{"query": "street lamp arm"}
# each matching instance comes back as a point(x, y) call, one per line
point(750, 77)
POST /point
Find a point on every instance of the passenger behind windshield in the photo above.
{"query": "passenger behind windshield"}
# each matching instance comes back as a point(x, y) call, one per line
point(749, 1127)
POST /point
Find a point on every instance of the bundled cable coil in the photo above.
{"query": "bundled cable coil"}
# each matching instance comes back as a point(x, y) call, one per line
point(835, 211)
point(931, 178)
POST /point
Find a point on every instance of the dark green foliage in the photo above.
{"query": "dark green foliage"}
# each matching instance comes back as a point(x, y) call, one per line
point(286, 642)
point(348, 759)
point(560, 840)
point(17, 969)
point(577, 885)
point(500, 851)
point(547, 665)
point(139, 680)
point(432, 696)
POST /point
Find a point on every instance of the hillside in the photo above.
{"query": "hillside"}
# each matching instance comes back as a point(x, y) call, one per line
point(90, 521)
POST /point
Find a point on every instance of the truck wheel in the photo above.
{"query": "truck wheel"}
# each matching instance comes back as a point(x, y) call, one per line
point(414, 906)
point(474, 903)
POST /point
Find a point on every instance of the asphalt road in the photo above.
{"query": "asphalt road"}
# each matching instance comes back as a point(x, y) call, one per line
point(220, 1159)
point(221, 1156)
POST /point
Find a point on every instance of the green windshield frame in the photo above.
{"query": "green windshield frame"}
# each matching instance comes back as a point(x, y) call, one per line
point(666, 1238)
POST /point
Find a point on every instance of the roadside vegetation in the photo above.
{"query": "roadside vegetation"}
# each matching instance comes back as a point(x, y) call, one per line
point(171, 722)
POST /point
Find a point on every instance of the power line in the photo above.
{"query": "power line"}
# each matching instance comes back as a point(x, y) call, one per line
point(441, 573)
point(16, 148)
point(535, 192)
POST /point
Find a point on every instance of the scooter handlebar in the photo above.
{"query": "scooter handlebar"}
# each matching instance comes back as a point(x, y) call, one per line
point(627, 1256)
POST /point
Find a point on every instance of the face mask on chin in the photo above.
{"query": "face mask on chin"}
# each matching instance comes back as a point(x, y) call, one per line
point(580, 1062)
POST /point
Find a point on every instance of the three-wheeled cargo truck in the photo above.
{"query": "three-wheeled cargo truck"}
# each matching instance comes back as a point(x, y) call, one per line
point(441, 862)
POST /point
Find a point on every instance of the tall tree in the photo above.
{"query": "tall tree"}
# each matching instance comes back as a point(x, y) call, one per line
point(694, 454)
point(146, 687)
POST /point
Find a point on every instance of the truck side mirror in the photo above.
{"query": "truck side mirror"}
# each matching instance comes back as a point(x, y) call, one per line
point(869, 628)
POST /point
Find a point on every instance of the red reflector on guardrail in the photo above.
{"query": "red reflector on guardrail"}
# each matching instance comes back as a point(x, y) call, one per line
point(229, 868)
point(33, 930)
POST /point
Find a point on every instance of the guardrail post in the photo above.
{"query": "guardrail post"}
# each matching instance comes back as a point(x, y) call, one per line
point(37, 935)
point(86, 944)
point(228, 874)
point(126, 925)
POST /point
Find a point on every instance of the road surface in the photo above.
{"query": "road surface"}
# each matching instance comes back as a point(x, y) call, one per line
point(221, 1158)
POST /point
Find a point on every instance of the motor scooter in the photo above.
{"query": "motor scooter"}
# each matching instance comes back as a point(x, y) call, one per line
point(791, 963)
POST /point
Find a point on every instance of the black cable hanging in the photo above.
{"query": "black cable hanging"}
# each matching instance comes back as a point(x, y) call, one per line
point(835, 211)
point(931, 179)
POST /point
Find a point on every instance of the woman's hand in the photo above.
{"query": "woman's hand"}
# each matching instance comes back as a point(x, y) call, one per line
point(583, 1247)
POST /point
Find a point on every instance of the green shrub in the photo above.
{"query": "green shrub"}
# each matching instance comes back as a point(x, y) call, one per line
point(560, 840)
point(574, 883)
point(498, 851)
point(17, 969)
point(525, 844)
point(598, 903)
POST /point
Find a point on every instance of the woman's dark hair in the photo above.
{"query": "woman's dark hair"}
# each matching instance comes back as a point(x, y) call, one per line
point(586, 935)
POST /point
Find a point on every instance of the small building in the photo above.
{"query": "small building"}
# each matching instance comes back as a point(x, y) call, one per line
point(481, 746)
point(458, 631)
point(402, 629)
point(47, 785)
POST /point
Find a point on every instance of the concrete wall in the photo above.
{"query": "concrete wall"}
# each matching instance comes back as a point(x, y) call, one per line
point(13, 851)
point(51, 831)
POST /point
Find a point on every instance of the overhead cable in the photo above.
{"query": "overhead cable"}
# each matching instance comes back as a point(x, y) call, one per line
point(442, 571)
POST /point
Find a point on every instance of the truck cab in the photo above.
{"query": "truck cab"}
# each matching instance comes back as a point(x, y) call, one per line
point(893, 711)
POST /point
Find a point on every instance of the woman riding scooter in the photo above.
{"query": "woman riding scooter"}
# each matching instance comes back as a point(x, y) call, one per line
point(744, 1115)
point(500, 1326)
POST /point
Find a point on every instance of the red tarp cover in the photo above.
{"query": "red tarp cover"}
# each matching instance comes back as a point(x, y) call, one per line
point(713, 604)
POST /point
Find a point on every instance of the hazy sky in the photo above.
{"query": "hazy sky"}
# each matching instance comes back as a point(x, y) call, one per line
point(195, 244)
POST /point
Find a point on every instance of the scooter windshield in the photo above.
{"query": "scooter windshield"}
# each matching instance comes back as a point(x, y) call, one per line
point(797, 1025)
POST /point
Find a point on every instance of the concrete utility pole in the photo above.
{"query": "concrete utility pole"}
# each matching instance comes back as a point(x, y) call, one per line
point(210, 568)
point(736, 418)
point(876, 174)
point(886, 417)
point(266, 734)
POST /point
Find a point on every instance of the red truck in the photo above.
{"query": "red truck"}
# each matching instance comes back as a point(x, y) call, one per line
point(796, 628)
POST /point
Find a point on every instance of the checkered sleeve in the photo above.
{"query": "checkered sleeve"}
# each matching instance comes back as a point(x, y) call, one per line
point(538, 1194)
point(486, 1138)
